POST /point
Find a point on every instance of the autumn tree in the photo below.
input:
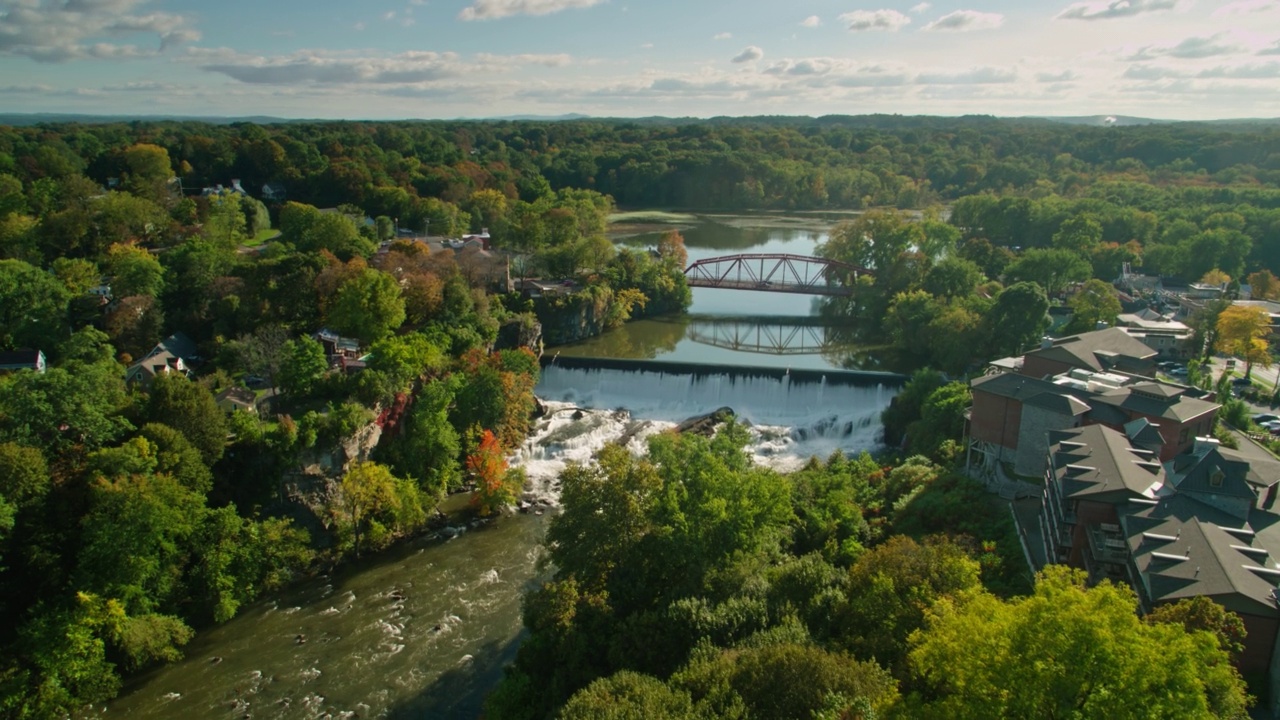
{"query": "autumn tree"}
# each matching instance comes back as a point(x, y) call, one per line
point(671, 249)
point(1242, 330)
point(495, 486)
point(1263, 285)
point(1215, 277)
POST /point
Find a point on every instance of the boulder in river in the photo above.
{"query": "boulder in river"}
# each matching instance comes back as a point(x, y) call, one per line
point(706, 424)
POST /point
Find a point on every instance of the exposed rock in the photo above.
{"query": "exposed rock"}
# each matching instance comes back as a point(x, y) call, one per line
point(706, 424)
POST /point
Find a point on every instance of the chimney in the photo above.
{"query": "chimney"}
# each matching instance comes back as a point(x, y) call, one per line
point(1204, 445)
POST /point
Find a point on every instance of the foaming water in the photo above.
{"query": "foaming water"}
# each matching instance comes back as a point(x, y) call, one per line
point(790, 420)
point(424, 630)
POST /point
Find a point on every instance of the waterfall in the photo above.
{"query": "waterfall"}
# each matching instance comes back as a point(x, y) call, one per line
point(791, 418)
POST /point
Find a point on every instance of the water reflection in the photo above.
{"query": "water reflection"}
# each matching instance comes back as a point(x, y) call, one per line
point(743, 327)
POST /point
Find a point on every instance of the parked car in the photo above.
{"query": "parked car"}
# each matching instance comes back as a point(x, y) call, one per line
point(1178, 370)
point(1242, 382)
point(1265, 418)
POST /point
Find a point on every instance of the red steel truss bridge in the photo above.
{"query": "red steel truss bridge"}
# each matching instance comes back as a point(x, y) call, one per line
point(775, 272)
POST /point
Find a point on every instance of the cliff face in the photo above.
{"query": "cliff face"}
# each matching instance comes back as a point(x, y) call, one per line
point(309, 491)
point(574, 317)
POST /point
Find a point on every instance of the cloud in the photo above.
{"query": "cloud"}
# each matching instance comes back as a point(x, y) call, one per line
point(973, 76)
point(1058, 77)
point(358, 26)
point(1264, 71)
point(321, 68)
point(646, 46)
point(496, 9)
point(1274, 49)
point(1245, 7)
point(811, 21)
point(966, 20)
point(1192, 48)
point(1151, 72)
point(860, 20)
point(722, 36)
point(1113, 9)
point(920, 8)
point(750, 53)
point(75, 29)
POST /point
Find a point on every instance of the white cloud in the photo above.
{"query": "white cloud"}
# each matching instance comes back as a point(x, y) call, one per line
point(751, 53)
point(1192, 48)
point(1107, 10)
point(1274, 49)
point(495, 9)
point(1151, 72)
point(320, 68)
point(860, 20)
point(646, 46)
point(62, 31)
point(1264, 71)
point(1056, 77)
point(811, 21)
point(972, 76)
point(722, 36)
point(966, 20)
point(1246, 7)
point(920, 8)
point(358, 26)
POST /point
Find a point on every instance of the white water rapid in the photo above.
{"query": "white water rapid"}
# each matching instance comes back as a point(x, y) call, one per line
point(790, 421)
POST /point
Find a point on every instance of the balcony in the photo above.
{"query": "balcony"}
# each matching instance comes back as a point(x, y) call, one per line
point(1107, 547)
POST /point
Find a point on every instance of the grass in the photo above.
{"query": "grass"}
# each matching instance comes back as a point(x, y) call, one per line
point(263, 236)
point(652, 216)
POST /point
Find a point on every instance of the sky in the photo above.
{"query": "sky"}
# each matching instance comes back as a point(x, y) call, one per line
point(391, 59)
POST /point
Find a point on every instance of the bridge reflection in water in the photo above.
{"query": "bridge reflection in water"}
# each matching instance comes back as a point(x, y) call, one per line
point(767, 335)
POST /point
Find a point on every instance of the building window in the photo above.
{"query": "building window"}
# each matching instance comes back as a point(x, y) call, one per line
point(1215, 477)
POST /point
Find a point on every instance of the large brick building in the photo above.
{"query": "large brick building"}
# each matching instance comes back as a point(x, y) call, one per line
point(1204, 523)
point(1088, 379)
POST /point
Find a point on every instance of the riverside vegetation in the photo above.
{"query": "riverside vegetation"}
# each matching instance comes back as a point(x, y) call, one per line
point(130, 515)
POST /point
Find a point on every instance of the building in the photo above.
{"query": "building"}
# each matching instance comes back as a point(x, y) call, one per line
point(1167, 337)
point(1013, 413)
point(15, 360)
point(1099, 351)
point(237, 398)
point(1205, 523)
point(176, 353)
point(336, 346)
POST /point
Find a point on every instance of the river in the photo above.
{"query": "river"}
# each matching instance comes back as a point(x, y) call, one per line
point(424, 630)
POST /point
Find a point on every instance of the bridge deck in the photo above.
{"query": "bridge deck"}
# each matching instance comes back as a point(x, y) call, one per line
point(832, 290)
point(774, 272)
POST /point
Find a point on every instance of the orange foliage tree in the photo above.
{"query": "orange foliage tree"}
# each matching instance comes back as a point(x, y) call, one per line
point(495, 485)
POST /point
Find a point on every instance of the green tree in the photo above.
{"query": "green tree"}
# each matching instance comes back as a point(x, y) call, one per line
point(1017, 319)
point(1079, 234)
point(1202, 613)
point(134, 271)
point(1066, 651)
point(149, 171)
point(371, 498)
point(1052, 270)
point(368, 306)
point(426, 446)
point(627, 695)
point(190, 409)
point(302, 363)
point(1095, 302)
point(33, 307)
point(953, 277)
point(79, 276)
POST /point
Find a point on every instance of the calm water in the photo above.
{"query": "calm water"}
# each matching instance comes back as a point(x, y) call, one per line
point(739, 327)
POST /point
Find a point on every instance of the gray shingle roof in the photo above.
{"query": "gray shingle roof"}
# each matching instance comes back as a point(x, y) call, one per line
point(1098, 350)
point(1096, 460)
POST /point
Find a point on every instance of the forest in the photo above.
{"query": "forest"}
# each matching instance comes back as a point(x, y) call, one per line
point(135, 509)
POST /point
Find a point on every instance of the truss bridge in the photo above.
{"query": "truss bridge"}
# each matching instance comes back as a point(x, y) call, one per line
point(775, 272)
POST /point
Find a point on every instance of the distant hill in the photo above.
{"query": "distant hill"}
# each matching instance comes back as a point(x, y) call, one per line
point(22, 119)
point(1129, 121)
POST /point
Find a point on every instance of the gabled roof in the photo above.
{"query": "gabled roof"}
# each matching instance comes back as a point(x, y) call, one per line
point(1177, 407)
point(1095, 460)
point(243, 396)
point(1182, 548)
point(20, 358)
point(177, 345)
point(1059, 403)
point(1098, 350)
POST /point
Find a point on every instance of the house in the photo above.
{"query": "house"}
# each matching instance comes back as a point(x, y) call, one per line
point(153, 365)
point(337, 346)
point(1012, 412)
point(1205, 523)
point(1098, 351)
point(176, 353)
point(274, 192)
point(237, 398)
point(15, 360)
